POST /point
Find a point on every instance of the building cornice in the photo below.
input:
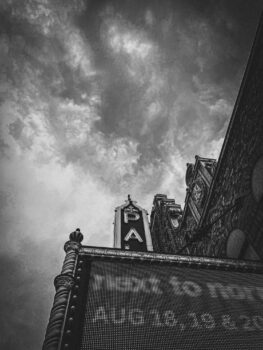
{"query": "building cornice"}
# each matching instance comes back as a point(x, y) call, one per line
point(182, 260)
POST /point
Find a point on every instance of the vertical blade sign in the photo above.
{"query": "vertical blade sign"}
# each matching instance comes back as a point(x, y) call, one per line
point(131, 230)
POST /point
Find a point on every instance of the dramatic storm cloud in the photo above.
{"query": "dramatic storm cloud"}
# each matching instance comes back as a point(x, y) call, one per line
point(100, 99)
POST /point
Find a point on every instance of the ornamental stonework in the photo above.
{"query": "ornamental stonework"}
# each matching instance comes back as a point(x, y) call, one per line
point(165, 223)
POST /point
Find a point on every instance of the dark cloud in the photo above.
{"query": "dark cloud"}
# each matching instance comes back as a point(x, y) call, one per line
point(99, 99)
point(196, 41)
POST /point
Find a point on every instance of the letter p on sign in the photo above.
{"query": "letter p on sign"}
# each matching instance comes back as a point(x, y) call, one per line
point(130, 216)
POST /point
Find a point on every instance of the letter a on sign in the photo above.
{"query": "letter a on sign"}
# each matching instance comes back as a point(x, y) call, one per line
point(133, 234)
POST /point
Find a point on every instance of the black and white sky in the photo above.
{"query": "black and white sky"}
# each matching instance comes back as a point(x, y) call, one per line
point(100, 99)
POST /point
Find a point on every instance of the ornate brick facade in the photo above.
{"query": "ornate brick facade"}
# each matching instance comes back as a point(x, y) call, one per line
point(223, 213)
point(172, 228)
point(236, 194)
point(165, 221)
point(198, 181)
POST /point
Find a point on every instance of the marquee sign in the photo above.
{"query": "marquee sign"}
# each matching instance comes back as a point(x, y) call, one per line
point(137, 304)
point(131, 230)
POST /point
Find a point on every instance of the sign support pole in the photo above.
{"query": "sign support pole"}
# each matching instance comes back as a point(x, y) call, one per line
point(63, 284)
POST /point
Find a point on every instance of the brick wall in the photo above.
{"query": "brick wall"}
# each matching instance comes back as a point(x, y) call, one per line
point(239, 171)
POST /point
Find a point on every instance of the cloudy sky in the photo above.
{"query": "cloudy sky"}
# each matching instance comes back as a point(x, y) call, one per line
point(99, 99)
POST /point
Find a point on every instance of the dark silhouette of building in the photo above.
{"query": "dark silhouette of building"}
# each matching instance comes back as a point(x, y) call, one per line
point(232, 218)
point(223, 213)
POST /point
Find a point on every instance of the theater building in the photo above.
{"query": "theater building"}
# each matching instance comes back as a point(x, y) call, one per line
point(223, 212)
point(188, 278)
point(112, 298)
